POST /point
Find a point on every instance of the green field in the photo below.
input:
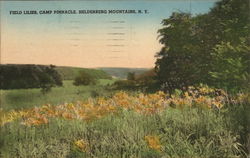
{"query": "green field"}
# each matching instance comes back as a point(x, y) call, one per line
point(25, 98)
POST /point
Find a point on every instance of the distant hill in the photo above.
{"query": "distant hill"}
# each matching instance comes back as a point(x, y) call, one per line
point(69, 73)
point(122, 72)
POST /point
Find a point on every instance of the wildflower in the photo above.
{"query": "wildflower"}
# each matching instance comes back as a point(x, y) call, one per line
point(67, 115)
point(153, 142)
point(161, 93)
point(35, 121)
point(82, 145)
point(217, 104)
point(11, 116)
point(70, 106)
point(243, 97)
point(101, 101)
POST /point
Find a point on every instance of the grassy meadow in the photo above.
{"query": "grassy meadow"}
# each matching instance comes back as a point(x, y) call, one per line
point(195, 123)
point(27, 98)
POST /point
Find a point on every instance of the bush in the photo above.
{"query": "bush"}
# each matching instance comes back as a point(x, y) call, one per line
point(125, 84)
point(84, 79)
point(131, 76)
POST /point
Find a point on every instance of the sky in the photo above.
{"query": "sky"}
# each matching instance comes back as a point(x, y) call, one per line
point(87, 40)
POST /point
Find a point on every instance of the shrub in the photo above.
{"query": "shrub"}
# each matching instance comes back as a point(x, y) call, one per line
point(84, 79)
point(125, 84)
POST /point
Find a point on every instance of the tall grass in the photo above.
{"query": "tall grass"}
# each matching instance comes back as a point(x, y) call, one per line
point(196, 123)
point(182, 132)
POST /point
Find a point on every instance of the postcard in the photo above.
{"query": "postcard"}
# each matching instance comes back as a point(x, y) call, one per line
point(109, 78)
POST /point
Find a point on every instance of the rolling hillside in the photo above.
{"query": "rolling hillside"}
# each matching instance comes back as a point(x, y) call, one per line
point(69, 73)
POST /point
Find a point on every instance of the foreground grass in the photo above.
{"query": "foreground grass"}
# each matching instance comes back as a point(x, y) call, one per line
point(182, 133)
point(26, 98)
point(130, 126)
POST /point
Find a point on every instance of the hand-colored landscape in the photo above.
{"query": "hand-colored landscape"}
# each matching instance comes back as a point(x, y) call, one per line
point(193, 102)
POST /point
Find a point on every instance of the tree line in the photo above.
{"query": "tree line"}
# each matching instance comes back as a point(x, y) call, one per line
point(29, 76)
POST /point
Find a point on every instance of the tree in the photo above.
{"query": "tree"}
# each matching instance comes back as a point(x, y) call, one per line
point(231, 55)
point(131, 76)
point(231, 66)
point(212, 48)
point(175, 66)
point(84, 79)
point(49, 79)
